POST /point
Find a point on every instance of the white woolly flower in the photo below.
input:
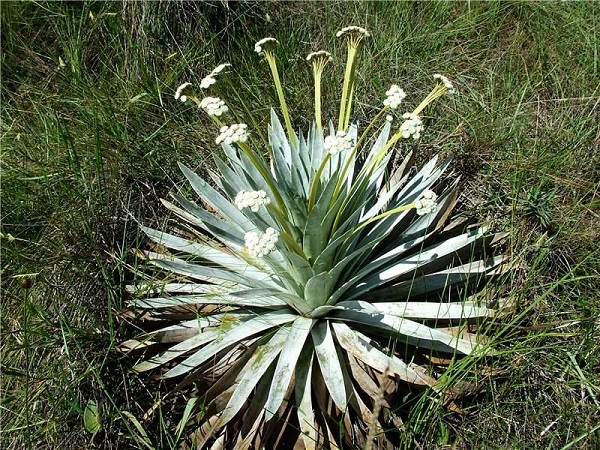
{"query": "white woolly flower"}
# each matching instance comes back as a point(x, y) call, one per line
point(210, 79)
point(258, 47)
point(395, 95)
point(238, 132)
point(353, 29)
point(412, 126)
point(427, 203)
point(251, 199)
point(446, 82)
point(338, 143)
point(214, 106)
point(320, 54)
point(259, 244)
point(389, 118)
point(179, 95)
point(207, 81)
point(220, 68)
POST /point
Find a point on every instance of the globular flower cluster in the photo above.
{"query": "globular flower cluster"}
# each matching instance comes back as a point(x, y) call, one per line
point(237, 132)
point(179, 93)
point(258, 47)
point(251, 199)
point(338, 143)
point(210, 79)
point(353, 29)
point(395, 95)
point(259, 244)
point(427, 203)
point(214, 106)
point(446, 82)
point(412, 126)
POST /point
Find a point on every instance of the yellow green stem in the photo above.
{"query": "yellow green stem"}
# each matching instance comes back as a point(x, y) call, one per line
point(384, 215)
point(348, 82)
point(284, 109)
point(312, 198)
point(318, 99)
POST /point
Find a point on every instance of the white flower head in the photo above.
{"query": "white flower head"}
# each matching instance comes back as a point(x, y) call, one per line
point(259, 244)
point(179, 93)
point(354, 30)
point(446, 82)
point(264, 42)
point(207, 81)
point(338, 143)
point(395, 95)
point(214, 106)
point(220, 68)
point(426, 203)
point(238, 132)
point(320, 55)
point(412, 126)
point(251, 199)
point(210, 79)
point(389, 118)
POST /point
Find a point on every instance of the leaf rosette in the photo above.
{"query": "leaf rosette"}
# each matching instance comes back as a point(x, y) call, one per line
point(308, 276)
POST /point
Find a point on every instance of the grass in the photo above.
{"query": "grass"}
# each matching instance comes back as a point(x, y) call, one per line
point(90, 138)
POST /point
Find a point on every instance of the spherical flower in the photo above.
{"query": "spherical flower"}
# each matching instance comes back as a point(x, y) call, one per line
point(322, 54)
point(338, 143)
point(238, 132)
point(446, 82)
point(395, 95)
point(353, 30)
point(259, 244)
point(412, 126)
point(214, 106)
point(268, 41)
point(389, 118)
point(426, 203)
point(207, 81)
point(179, 95)
point(251, 199)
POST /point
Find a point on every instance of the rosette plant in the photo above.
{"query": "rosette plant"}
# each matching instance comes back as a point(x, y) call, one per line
point(313, 278)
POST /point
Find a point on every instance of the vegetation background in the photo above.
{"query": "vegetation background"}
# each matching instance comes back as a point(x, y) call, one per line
point(90, 138)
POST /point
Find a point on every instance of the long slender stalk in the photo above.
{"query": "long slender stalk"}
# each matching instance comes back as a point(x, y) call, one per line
point(284, 109)
point(346, 86)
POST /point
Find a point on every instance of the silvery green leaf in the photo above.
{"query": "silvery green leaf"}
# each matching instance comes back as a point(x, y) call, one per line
point(209, 274)
point(228, 233)
point(361, 348)
point(411, 263)
point(180, 349)
point(303, 395)
point(174, 288)
point(412, 332)
point(329, 362)
point(258, 364)
point(231, 333)
point(207, 299)
point(278, 139)
point(227, 260)
point(286, 364)
point(438, 281)
point(431, 310)
point(216, 200)
point(318, 289)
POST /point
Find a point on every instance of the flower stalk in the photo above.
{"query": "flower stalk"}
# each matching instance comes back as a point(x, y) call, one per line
point(318, 60)
point(354, 36)
point(265, 47)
